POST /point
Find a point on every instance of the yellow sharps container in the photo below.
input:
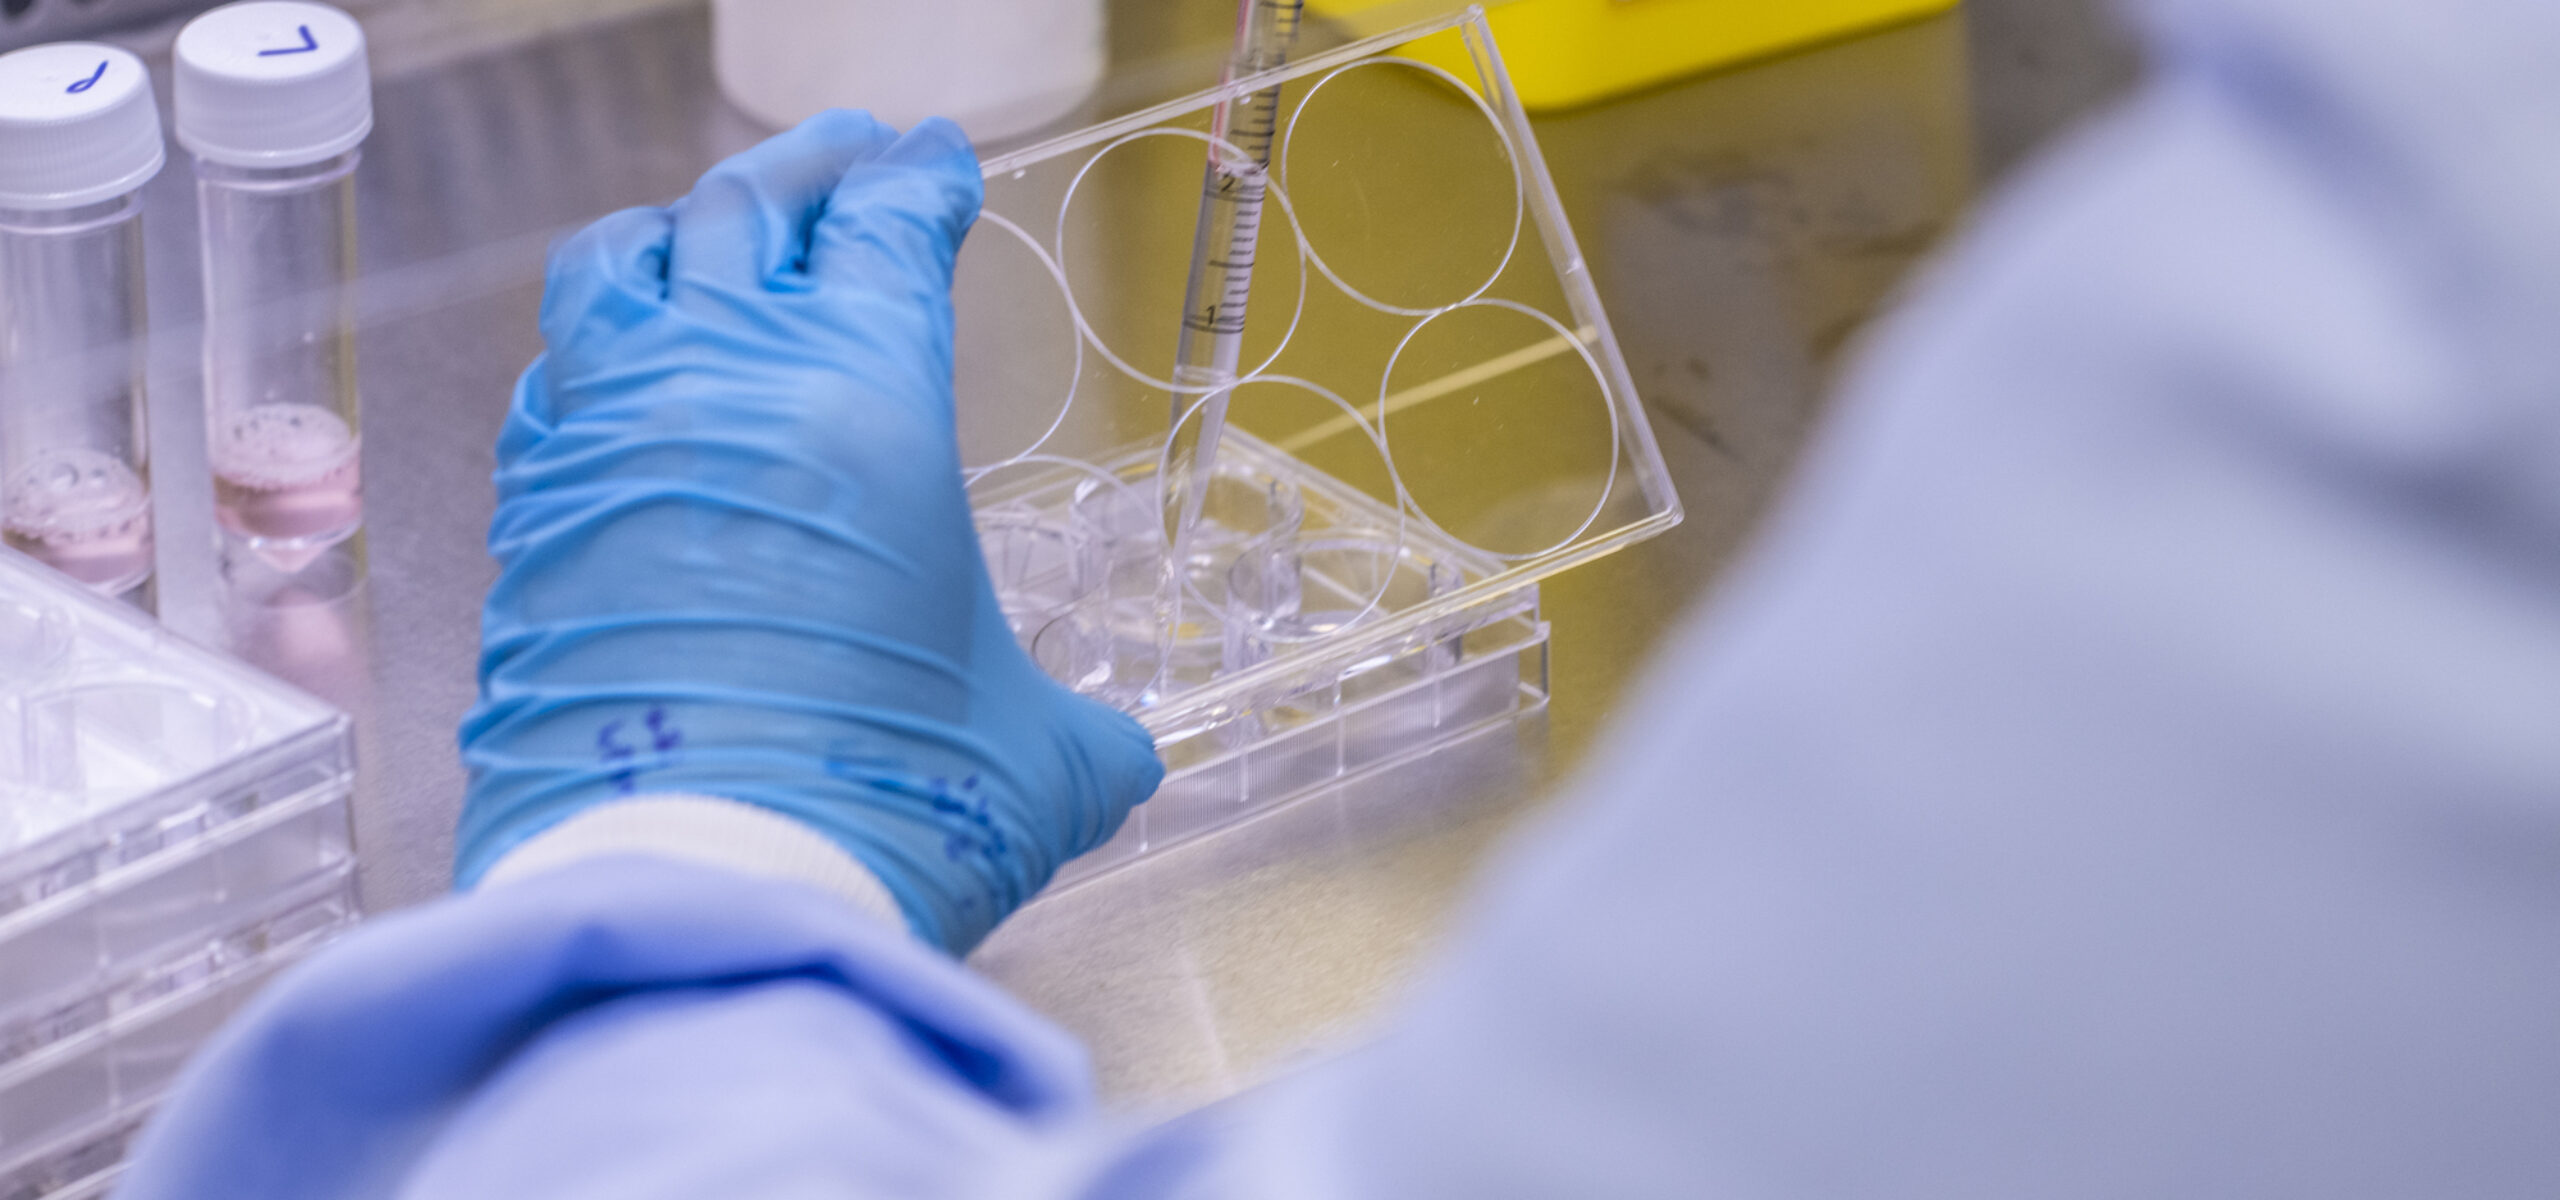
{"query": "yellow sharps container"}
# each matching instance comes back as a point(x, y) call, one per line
point(1567, 52)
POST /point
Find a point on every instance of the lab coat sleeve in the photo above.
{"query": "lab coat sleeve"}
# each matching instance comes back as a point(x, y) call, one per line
point(626, 1027)
point(2130, 765)
point(2127, 768)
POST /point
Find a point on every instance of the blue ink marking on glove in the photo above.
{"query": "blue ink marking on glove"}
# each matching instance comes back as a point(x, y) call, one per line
point(664, 737)
point(616, 753)
point(972, 823)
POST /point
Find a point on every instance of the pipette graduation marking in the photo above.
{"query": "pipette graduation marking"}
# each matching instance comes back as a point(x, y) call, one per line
point(1234, 188)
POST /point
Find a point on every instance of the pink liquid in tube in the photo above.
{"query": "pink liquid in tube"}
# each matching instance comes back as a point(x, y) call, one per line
point(83, 513)
point(288, 480)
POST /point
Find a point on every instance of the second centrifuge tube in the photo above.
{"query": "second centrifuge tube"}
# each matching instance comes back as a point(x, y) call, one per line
point(274, 100)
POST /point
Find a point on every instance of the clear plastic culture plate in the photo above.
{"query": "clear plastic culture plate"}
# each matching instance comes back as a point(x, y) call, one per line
point(69, 1115)
point(167, 818)
point(1426, 415)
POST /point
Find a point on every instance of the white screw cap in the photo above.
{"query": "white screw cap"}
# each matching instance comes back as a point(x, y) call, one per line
point(77, 126)
point(272, 83)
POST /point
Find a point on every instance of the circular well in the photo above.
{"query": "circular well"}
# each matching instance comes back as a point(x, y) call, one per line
point(1501, 428)
point(1404, 185)
point(1272, 408)
point(113, 737)
point(1124, 243)
point(1016, 351)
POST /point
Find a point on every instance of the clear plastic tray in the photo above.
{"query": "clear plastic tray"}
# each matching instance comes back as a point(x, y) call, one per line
point(68, 1114)
point(1428, 415)
point(168, 821)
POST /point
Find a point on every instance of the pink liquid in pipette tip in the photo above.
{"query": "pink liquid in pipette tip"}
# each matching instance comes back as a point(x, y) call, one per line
point(83, 513)
point(288, 480)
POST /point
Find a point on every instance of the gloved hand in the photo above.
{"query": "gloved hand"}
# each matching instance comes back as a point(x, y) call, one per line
point(736, 555)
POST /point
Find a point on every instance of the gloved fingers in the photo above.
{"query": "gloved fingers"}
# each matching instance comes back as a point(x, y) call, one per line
point(1135, 768)
point(896, 219)
point(1120, 760)
point(612, 271)
point(747, 222)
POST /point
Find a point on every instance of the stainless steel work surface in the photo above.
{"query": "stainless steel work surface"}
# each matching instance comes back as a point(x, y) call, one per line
point(1742, 227)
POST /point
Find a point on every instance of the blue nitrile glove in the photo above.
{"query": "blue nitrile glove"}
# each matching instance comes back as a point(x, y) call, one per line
point(736, 555)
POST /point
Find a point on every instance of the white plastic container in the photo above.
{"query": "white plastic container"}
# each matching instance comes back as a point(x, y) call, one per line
point(79, 136)
point(998, 67)
point(274, 100)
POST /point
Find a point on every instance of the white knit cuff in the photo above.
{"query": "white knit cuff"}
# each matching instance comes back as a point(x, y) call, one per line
point(707, 830)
